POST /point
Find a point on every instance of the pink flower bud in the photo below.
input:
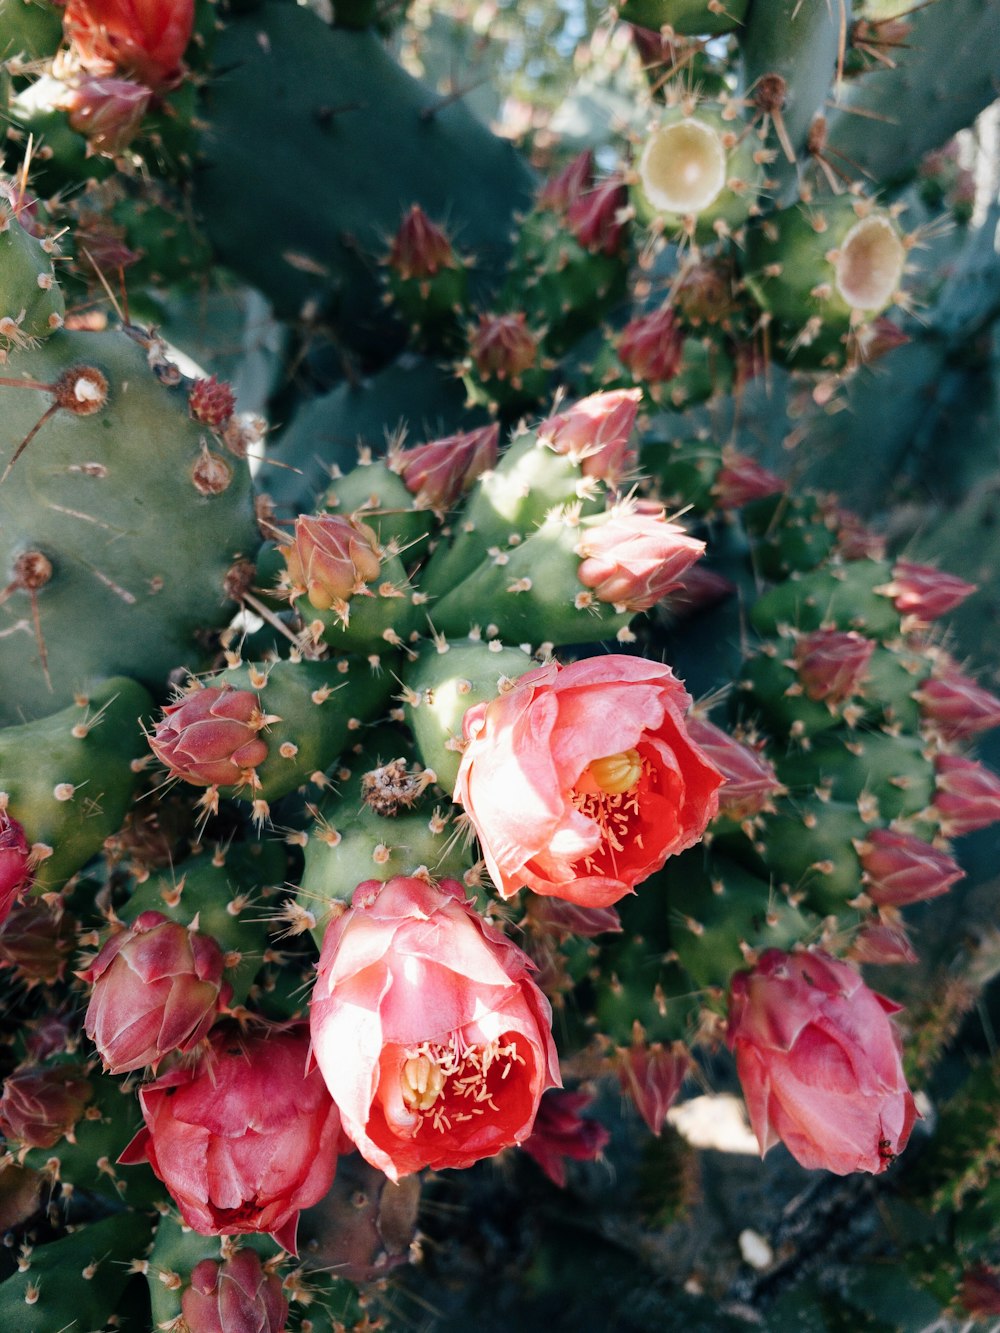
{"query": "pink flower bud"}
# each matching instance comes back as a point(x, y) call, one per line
point(596, 218)
point(212, 402)
point(235, 1296)
point(245, 1138)
point(146, 38)
point(108, 112)
point(15, 862)
point(503, 347)
point(956, 706)
point(967, 796)
point(750, 781)
point(52, 1034)
point(561, 1131)
point(900, 868)
point(925, 592)
point(882, 944)
point(820, 1062)
point(559, 917)
point(330, 558)
point(420, 248)
point(157, 988)
point(741, 480)
point(560, 191)
point(41, 1106)
point(37, 940)
point(596, 430)
point(651, 347)
point(438, 472)
point(211, 737)
point(699, 590)
point(704, 293)
point(832, 664)
point(633, 560)
point(854, 540)
point(979, 1291)
point(652, 1076)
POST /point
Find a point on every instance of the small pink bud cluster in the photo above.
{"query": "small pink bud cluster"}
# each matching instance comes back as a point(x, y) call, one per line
point(437, 473)
point(651, 346)
point(596, 430)
point(899, 869)
point(212, 402)
point(420, 248)
point(211, 738)
point(329, 559)
point(592, 212)
point(502, 347)
point(633, 560)
point(36, 939)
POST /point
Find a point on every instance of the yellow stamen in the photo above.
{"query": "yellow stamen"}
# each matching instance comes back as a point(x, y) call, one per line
point(422, 1082)
point(617, 773)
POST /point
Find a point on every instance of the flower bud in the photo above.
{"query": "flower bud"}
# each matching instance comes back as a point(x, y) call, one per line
point(420, 248)
point(41, 1106)
point(651, 1075)
point(741, 480)
point(979, 1291)
point(212, 402)
point(235, 1296)
point(37, 940)
point(596, 218)
point(633, 560)
point(15, 862)
point(559, 917)
point(699, 589)
point(503, 347)
point(438, 472)
point(956, 706)
point(750, 781)
point(157, 988)
point(330, 558)
point(967, 796)
point(882, 944)
point(560, 191)
point(651, 347)
point(108, 113)
point(562, 1131)
point(832, 664)
point(900, 869)
point(596, 430)
point(925, 592)
point(212, 737)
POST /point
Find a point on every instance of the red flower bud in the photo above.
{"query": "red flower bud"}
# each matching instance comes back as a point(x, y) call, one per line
point(979, 1291)
point(651, 347)
point(967, 796)
point(704, 291)
point(699, 590)
point(235, 1296)
point(633, 560)
point(956, 706)
point(37, 940)
point(652, 1076)
point(560, 191)
point(41, 1106)
point(15, 862)
point(420, 248)
point(243, 1139)
point(329, 559)
point(854, 540)
point(559, 917)
point(438, 472)
point(503, 347)
point(925, 592)
point(596, 430)
point(883, 944)
point(820, 1062)
point(212, 402)
point(561, 1131)
point(900, 868)
point(157, 988)
point(108, 112)
point(832, 664)
point(741, 480)
point(750, 781)
point(596, 218)
point(146, 38)
point(212, 737)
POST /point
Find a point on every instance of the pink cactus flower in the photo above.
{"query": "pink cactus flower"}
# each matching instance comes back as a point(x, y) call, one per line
point(108, 112)
point(243, 1139)
point(596, 430)
point(967, 796)
point(437, 473)
point(502, 347)
point(955, 706)
point(925, 592)
point(16, 872)
point(633, 560)
point(145, 38)
point(329, 559)
point(651, 347)
point(41, 1106)
point(157, 988)
point(820, 1064)
point(420, 248)
point(832, 664)
point(581, 780)
point(212, 737)
point(432, 1037)
point(750, 780)
point(651, 1076)
point(900, 869)
point(741, 480)
point(561, 190)
point(597, 219)
point(562, 1131)
point(237, 1295)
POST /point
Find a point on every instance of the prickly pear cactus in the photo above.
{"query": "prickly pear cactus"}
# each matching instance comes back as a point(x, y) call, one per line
point(493, 666)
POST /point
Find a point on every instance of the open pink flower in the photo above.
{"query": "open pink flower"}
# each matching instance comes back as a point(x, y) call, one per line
point(581, 780)
point(819, 1061)
point(243, 1139)
point(432, 1037)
